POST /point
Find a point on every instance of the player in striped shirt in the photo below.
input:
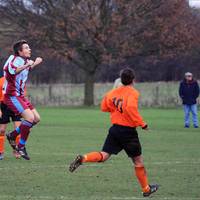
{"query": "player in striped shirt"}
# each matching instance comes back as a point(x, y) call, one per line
point(16, 70)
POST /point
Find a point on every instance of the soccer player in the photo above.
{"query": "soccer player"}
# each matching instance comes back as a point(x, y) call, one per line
point(16, 70)
point(5, 115)
point(122, 104)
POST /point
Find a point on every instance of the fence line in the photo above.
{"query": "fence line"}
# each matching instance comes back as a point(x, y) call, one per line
point(160, 94)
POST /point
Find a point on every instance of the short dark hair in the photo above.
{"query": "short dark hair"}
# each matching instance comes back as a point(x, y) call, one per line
point(18, 46)
point(127, 76)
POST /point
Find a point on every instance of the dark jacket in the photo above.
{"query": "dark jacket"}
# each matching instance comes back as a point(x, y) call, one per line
point(189, 92)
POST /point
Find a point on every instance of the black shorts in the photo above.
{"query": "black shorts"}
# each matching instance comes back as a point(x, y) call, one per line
point(122, 138)
point(7, 114)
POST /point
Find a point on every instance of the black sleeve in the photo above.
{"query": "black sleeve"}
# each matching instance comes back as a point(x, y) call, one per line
point(196, 90)
point(181, 90)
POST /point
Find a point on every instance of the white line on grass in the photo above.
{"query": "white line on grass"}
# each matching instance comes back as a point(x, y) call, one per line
point(157, 198)
point(40, 166)
point(29, 197)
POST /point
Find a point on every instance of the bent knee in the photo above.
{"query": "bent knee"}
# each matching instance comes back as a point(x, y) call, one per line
point(2, 131)
point(30, 118)
point(37, 119)
point(138, 161)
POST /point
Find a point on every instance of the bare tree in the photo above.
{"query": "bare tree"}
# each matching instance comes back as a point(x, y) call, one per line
point(89, 33)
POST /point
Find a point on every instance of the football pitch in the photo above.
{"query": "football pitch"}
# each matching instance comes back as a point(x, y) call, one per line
point(171, 153)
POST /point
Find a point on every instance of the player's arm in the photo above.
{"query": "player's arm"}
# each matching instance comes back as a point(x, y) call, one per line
point(104, 105)
point(37, 61)
point(16, 66)
point(132, 111)
point(21, 68)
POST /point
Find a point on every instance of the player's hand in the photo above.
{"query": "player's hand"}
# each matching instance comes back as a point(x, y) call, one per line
point(38, 60)
point(29, 63)
point(145, 127)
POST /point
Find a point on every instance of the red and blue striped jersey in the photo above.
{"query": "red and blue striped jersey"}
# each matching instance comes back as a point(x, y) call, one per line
point(15, 83)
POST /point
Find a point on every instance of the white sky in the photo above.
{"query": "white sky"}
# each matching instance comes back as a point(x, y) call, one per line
point(194, 3)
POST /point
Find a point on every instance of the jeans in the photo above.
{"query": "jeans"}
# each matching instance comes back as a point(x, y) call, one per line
point(193, 109)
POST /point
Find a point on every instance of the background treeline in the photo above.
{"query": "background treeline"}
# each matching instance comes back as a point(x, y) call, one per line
point(87, 41)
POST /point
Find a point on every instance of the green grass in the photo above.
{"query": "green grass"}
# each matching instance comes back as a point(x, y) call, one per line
point(172, 158)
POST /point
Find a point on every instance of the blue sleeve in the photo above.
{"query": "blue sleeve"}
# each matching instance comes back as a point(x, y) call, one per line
point(14, 64)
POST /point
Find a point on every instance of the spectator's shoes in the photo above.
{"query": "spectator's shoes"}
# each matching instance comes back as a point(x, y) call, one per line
point(196, 126)
point(187, 126)
point(153, 189)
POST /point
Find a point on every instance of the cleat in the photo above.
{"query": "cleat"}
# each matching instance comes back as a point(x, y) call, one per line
point(76, 163)
point(11, 141)
point(16, 154)
point(22, 152)
point(153, 189)
point(1, 156)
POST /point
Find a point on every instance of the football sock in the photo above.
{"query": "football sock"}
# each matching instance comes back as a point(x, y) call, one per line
point(142, 178)
point(24, 130)
point(2, 142)
point(93, 157)
point(17, 139)
point(16, 132)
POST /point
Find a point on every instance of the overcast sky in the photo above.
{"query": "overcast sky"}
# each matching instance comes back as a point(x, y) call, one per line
point(195, 3)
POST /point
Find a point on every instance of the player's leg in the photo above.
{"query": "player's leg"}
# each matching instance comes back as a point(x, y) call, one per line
point(141, 175)
point(2, 140)
point(194, 111)
point(36, 116)
point(16, 123)
point(131, 144)
point(89, 157)
point(4, 120)
point(16, 126)
point(110, 147)
point(187, 115)
point(20, 106)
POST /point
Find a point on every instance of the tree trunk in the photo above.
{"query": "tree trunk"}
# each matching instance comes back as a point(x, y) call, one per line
point(89, 88)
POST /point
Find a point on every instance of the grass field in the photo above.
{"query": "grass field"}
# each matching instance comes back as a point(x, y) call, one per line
point(172, 158)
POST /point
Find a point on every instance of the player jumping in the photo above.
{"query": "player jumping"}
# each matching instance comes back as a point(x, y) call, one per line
point(122, 103)
point(16, 70)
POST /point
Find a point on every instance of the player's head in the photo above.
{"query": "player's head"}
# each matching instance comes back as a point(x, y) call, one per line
point(188, 76)
point(127, 76)
point(21, 48)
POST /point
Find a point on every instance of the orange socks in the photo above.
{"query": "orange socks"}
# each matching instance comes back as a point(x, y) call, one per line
point(2, 141)
point(17, 139)
point(93, 157)
point(140, 172)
